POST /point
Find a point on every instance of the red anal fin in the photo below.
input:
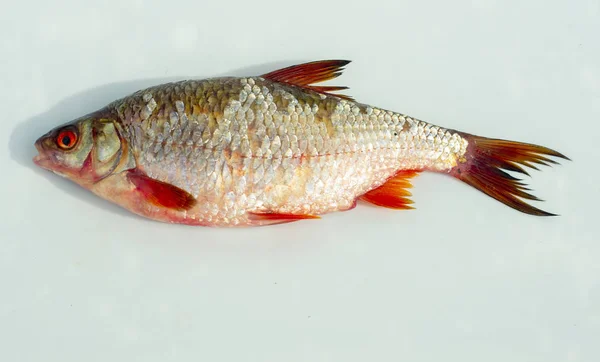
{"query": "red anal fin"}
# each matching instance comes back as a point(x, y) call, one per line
point(306, 74)
point(268, 218)
point(161, 193)
point(393, 194)
point(483, 167)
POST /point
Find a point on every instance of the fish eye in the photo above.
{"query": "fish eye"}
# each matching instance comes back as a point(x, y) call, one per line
point(66, 139)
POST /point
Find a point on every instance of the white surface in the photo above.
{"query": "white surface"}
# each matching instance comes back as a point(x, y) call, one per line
point(462, 278)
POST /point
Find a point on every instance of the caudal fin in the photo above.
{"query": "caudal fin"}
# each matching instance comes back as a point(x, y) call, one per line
point(484, 164)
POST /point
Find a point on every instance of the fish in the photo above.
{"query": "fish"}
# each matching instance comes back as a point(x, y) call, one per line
point(270, 149)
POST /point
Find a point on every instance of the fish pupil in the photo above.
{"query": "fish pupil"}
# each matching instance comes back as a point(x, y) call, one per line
point(66, 140)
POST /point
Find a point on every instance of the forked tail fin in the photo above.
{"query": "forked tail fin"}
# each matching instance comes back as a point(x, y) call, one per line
point(485, 161)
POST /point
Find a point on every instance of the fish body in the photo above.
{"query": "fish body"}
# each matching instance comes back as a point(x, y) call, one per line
point(247, 151)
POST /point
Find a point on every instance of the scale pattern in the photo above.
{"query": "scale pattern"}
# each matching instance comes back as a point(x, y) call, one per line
point(252, 145)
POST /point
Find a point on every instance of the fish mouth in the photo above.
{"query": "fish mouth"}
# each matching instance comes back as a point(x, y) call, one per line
point(41, 159)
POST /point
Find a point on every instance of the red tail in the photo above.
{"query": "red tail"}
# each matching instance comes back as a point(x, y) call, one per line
point(485, 159)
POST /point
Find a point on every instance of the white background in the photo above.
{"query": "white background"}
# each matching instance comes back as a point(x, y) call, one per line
point(461, 278)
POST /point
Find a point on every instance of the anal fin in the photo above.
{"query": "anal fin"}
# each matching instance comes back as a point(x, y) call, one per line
point(393, 193)
point(161, 193)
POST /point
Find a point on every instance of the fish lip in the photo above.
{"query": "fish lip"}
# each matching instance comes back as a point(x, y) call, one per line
point(41, 159)
point(37, 159)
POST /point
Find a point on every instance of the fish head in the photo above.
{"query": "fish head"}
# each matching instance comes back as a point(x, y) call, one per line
point(85, 150)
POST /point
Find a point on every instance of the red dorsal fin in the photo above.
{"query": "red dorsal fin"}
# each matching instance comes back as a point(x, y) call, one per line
point(268, 218)
point(393, 193)
point(161, 193)
point(305, 75)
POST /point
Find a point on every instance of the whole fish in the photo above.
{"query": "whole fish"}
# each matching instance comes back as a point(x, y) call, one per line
point(248, 151)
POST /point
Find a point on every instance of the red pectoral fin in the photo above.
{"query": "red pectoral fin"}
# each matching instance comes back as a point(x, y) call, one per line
point(269, 218)
point(161, 193)
point(393, 193)
point(305, 75)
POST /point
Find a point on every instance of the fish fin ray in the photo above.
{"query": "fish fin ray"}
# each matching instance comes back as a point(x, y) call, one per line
point(483, 169)
point(269, 218)
point(306, 74)
point(393, 194)
point(161, 193)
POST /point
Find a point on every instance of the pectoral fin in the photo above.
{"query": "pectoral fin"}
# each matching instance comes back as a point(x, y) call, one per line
point(161, 193)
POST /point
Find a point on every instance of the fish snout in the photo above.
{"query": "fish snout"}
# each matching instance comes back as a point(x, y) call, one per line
point(43, 158)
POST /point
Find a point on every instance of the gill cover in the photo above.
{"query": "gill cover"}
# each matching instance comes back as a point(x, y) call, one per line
point(110, 152)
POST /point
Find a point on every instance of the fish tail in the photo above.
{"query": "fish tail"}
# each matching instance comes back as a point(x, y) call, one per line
point(486, 161)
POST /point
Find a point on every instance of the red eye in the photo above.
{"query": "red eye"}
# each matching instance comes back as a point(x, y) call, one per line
point(66, 139)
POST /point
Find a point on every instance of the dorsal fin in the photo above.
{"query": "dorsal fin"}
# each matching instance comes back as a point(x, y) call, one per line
point(306, 74)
